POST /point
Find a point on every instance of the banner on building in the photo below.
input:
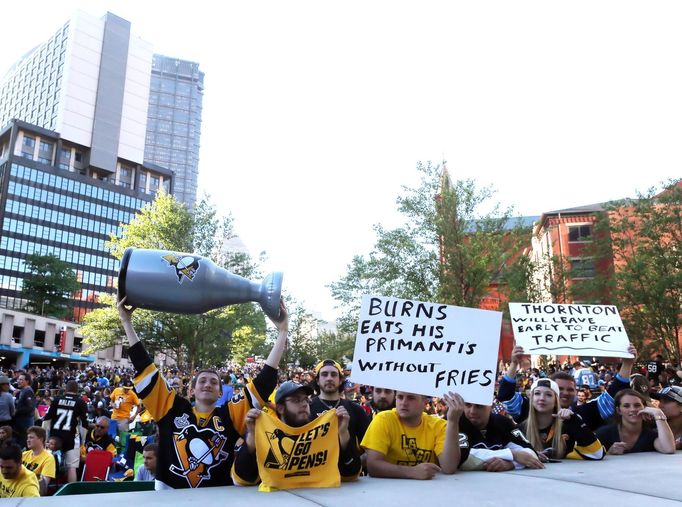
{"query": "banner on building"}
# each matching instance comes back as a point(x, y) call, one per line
point(427, 348)
point(572, 330)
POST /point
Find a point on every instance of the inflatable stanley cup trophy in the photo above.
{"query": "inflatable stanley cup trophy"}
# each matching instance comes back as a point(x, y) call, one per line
point(186, 283)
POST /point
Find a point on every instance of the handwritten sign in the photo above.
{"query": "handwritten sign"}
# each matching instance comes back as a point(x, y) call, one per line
point(586, 330)
point(427, 348)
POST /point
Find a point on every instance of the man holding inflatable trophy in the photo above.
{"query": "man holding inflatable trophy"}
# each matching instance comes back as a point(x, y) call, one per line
point(196, 443)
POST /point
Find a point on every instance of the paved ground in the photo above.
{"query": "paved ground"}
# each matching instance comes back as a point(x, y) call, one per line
point(643, 479)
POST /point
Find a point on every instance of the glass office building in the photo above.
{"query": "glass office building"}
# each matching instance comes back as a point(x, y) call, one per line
point(53, 202)
point(174, 122)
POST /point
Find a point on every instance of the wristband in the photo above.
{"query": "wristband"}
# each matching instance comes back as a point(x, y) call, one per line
point(660, 418)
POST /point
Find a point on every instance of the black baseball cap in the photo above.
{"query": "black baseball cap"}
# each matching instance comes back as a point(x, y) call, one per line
point(673, 393)
point(290, 387)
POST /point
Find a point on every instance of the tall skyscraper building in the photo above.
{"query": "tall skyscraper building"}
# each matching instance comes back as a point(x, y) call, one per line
point(174, 122)
point(102, 87)
point(73, 122)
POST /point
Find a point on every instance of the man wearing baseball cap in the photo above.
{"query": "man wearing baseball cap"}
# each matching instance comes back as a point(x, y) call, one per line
point(261, 455)
point(670, 402)
point(328, 387)
point(6, 402)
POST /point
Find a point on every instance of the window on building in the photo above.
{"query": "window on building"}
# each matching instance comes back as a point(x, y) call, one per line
point(46, 147)
point(39, 339)
point(142, 182)
point(29, 141)
point(64, 158)
point(580, 232)
point(582, 268)
point(154, 183)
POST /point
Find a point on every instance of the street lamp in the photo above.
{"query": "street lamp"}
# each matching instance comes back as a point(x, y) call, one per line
point(42, 308)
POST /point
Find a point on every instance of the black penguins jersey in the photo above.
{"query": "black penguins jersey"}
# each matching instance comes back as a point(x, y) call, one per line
point(66, 413)
point(195, 450)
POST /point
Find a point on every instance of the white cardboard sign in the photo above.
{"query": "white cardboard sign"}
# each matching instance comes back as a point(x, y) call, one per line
point(574, 330)
point(427, 348)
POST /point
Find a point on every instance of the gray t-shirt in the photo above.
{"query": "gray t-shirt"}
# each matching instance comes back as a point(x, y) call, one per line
point(144, 474)
point(6, 407)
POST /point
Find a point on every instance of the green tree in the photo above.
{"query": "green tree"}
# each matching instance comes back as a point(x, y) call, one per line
point(637, 244)
point(49, 285)
point(303, 330)
point(449, 250)
point(207, 339)
point(538, 280)
point(335, 345)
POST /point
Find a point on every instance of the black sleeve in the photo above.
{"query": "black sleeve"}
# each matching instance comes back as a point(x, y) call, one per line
point(607, 435)
point(514, 433)
point(579, 431)
point(464, 448)
point(245, 465)
point(349, 462)
point(617, 385)
point(589, 413)
point(51, 412)
point(362, 421)
point(506, 390)
point(82, 413)
point(139, 357)
point(266, 381)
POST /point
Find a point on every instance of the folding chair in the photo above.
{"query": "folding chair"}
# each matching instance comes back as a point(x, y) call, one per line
point(97, 466)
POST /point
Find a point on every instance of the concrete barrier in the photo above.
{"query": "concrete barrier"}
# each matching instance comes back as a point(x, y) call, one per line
point(642, 479)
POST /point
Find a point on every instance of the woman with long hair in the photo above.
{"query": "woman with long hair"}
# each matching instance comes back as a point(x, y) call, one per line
point(629, 433)
point(557, 433)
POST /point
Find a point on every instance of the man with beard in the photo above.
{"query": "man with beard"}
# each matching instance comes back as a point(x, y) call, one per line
point(382, 399)
point(292, 408)
point(329, 383)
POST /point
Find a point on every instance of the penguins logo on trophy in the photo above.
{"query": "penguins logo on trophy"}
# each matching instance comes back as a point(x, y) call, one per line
point(186, 266)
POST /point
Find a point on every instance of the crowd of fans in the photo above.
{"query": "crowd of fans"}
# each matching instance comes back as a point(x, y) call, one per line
point(572, 410)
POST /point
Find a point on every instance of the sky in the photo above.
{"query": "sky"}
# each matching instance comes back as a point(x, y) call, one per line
point(317, 113)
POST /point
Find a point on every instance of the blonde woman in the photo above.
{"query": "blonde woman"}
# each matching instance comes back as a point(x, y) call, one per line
point(557, 433)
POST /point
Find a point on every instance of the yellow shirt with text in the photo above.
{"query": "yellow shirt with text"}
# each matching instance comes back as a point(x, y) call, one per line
point(43, 465)
point(406, 445)
point(25, 485)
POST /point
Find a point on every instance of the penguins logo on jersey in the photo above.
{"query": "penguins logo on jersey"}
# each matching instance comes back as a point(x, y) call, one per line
point(184, 266)
point(198, 451)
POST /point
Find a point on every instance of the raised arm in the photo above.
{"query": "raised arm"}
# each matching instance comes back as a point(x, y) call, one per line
point(280, 345)
point(449, 458)
point(126, 316)
point(516, 355)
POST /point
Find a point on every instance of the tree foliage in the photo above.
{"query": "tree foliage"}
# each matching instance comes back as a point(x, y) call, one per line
point(644, 239)
point(49, 285)
point(234, 332)
point(448, 250)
